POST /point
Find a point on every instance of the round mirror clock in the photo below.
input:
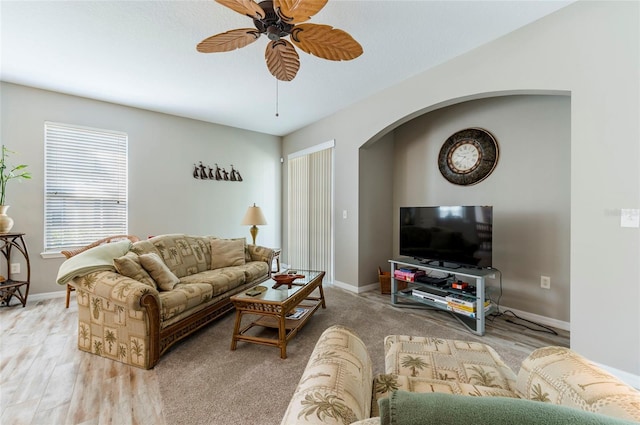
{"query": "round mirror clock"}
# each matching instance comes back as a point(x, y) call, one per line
point(468, 156)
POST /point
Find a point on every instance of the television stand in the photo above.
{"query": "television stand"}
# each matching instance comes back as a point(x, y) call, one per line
point(425, 295)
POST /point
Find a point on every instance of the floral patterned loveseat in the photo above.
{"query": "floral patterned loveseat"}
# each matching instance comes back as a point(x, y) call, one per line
point(554, 385)
point(130, 314)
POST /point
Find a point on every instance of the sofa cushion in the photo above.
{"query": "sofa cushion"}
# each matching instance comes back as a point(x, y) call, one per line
point(129, 265)
point(183, 254)
point(404, 408)
point(183, 297)
point(159, 271)
point(247, 253)
point(385, 384)
point(227, 253)
point(221, 280)
point(255, 270)
point(444, 359)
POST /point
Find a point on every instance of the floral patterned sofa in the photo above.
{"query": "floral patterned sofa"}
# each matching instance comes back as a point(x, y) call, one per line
point(445, 381)
point(137, 300)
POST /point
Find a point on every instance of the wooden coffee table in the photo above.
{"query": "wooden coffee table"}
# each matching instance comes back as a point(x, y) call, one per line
point(272, 307)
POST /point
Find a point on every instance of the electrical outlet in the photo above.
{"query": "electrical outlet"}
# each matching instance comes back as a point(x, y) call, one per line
point(15, 267)
point(545, 282)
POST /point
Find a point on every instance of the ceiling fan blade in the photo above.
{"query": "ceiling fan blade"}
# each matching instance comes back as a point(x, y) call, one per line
point(282, 60)
point(244, 7)
point(296, 11)
point(227, 41)
point(325, 42)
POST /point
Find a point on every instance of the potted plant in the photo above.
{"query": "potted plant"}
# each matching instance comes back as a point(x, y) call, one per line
point(8, 172)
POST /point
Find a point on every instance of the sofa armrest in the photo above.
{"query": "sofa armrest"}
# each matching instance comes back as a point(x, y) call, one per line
point(118, 318)
point(262, 253)
point(336, 384)
point(116, 287)
point(559, 375)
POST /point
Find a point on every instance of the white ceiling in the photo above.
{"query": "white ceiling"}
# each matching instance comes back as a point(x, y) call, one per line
point(142, 54)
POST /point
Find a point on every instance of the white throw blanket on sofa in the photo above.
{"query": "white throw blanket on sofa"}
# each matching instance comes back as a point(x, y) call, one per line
point(94, 259)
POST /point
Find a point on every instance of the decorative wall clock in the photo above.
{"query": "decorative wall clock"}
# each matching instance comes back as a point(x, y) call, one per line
point(468, 156)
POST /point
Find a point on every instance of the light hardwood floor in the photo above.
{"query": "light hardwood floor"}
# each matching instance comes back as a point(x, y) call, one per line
point(45, 379)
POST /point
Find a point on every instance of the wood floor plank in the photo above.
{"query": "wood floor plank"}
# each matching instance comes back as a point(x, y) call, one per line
point(55, 415)
point(19, 414)
point(145, 397)
point(60, 386)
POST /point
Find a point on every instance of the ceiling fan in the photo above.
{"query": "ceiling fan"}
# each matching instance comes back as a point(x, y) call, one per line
point(279, 19)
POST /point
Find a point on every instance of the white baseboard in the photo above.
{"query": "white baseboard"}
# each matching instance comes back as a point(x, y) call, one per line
point(543, 320)
point(357, 290)
point(46, 296)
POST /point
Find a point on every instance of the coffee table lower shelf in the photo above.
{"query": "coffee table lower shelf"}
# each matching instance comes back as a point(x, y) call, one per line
point(287, 328)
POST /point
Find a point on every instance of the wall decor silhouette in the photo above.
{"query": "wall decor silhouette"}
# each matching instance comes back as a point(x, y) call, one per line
point(215, 173)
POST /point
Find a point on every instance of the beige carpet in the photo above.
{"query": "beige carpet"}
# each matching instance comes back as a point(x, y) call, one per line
point(203, 382)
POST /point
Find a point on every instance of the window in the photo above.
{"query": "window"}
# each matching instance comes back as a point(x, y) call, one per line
point(85, 185)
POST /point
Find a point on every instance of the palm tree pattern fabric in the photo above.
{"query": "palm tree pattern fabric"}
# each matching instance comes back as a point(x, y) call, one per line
point(111, 321)
point(466, 362)
point(336, 385)
point(554, 375)
point(559, 375)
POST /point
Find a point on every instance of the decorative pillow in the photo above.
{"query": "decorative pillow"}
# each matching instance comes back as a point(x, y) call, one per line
point(159, 271)
point(247, 254)
point(129, 265)
point(227, 253)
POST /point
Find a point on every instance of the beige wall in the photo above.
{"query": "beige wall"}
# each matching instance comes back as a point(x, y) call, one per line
point(376, 206)
point(529, 190)
point(163, 195)
point(589, 51)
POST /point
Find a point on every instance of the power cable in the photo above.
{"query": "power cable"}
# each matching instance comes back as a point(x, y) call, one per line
point(498, 313)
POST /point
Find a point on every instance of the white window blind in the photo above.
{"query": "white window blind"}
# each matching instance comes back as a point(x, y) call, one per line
point(310, 224)
point(85, 185)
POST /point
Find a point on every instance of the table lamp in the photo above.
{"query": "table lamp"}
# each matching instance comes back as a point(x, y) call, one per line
point(253, 217)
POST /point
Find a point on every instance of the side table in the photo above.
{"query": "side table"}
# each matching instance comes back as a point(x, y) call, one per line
point(9, 287)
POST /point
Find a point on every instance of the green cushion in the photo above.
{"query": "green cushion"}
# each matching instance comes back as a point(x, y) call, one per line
point(405, 408)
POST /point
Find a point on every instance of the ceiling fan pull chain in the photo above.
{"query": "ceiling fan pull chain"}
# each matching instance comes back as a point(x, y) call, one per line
point(277, 114)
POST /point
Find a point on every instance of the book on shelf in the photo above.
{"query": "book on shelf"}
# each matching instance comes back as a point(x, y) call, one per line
point(457, 309)
point(409, 276)
point(297, 313)
point(464, 300)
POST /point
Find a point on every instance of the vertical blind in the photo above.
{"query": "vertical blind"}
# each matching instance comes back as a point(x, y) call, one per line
point(310, 211)
point(85, 185)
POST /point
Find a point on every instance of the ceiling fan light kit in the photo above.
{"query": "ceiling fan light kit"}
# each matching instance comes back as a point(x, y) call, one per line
point(279, 19)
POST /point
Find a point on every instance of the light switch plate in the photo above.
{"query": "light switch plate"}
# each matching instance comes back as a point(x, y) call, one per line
point(629, 218)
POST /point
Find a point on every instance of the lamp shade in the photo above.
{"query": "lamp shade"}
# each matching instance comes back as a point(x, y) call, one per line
point(254, 216)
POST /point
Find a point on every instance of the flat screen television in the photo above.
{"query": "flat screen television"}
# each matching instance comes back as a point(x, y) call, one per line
point(456, 236)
